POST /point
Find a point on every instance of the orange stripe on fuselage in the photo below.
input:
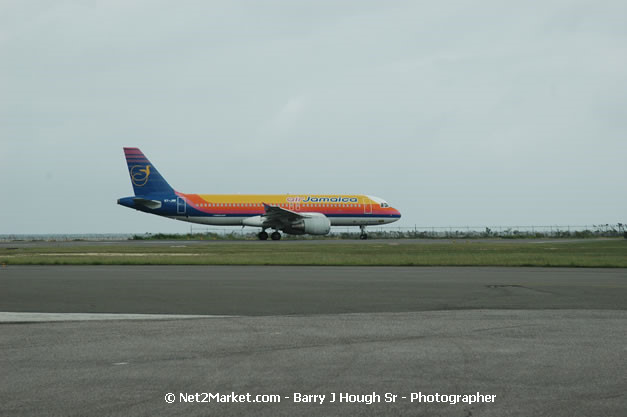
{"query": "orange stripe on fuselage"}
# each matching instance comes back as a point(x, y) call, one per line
point(253, 203)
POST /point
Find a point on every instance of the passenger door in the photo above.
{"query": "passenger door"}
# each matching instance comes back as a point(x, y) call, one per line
point(181, 206)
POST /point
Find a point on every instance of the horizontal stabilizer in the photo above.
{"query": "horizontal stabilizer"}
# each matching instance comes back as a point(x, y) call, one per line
point(151, 204)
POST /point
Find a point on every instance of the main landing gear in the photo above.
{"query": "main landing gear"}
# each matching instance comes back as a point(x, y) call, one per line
point(363, 235)
point(263, 235)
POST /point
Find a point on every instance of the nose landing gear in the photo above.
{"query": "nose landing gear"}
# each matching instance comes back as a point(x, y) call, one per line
point(363, 235)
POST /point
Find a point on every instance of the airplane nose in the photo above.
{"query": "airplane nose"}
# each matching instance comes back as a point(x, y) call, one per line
point(398, 213)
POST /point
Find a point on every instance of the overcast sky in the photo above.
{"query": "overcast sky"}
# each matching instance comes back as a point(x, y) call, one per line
point(456, 112)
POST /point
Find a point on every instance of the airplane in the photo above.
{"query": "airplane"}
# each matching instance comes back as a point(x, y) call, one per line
point(289, 213)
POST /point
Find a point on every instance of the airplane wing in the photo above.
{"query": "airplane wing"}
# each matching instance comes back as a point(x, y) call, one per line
point(276, 216)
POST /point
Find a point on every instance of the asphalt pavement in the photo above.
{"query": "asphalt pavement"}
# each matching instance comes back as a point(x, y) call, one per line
point(452, 341)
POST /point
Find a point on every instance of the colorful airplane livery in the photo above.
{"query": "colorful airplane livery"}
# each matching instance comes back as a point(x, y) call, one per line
point(289, 213)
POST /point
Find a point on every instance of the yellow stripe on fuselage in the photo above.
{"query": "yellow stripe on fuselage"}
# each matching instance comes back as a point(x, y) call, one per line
point(273, 199)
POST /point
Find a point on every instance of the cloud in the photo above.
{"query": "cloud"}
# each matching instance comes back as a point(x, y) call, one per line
point(287, 116)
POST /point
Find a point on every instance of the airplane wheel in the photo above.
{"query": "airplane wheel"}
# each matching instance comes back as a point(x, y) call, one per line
point(363, 237)
point(262, 236)
point(276, 236)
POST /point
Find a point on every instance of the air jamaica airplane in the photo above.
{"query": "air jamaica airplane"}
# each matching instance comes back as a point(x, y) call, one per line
point(290, 213)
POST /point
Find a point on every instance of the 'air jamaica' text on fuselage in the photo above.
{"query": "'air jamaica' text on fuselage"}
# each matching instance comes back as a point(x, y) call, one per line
point(310, 199)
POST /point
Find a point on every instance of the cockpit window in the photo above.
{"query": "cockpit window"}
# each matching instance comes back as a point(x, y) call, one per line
point(384, 205)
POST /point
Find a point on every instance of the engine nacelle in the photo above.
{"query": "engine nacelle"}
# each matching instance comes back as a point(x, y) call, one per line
point(255, 221)
point(313, 224)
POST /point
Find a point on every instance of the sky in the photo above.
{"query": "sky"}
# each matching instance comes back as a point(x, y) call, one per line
point(457, 112)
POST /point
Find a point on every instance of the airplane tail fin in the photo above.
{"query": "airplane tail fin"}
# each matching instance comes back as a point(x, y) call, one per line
point(144, 176)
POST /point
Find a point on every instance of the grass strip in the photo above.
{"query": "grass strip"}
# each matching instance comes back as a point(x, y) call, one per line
point(594, 253)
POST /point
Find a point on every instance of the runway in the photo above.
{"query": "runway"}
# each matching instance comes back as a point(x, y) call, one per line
point(544, 342)
point(272, 290)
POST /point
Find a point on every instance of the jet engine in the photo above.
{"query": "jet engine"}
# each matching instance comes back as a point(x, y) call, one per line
point(313, 224)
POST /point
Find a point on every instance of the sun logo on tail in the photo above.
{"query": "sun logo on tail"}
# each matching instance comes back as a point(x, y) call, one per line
point(139, 175)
